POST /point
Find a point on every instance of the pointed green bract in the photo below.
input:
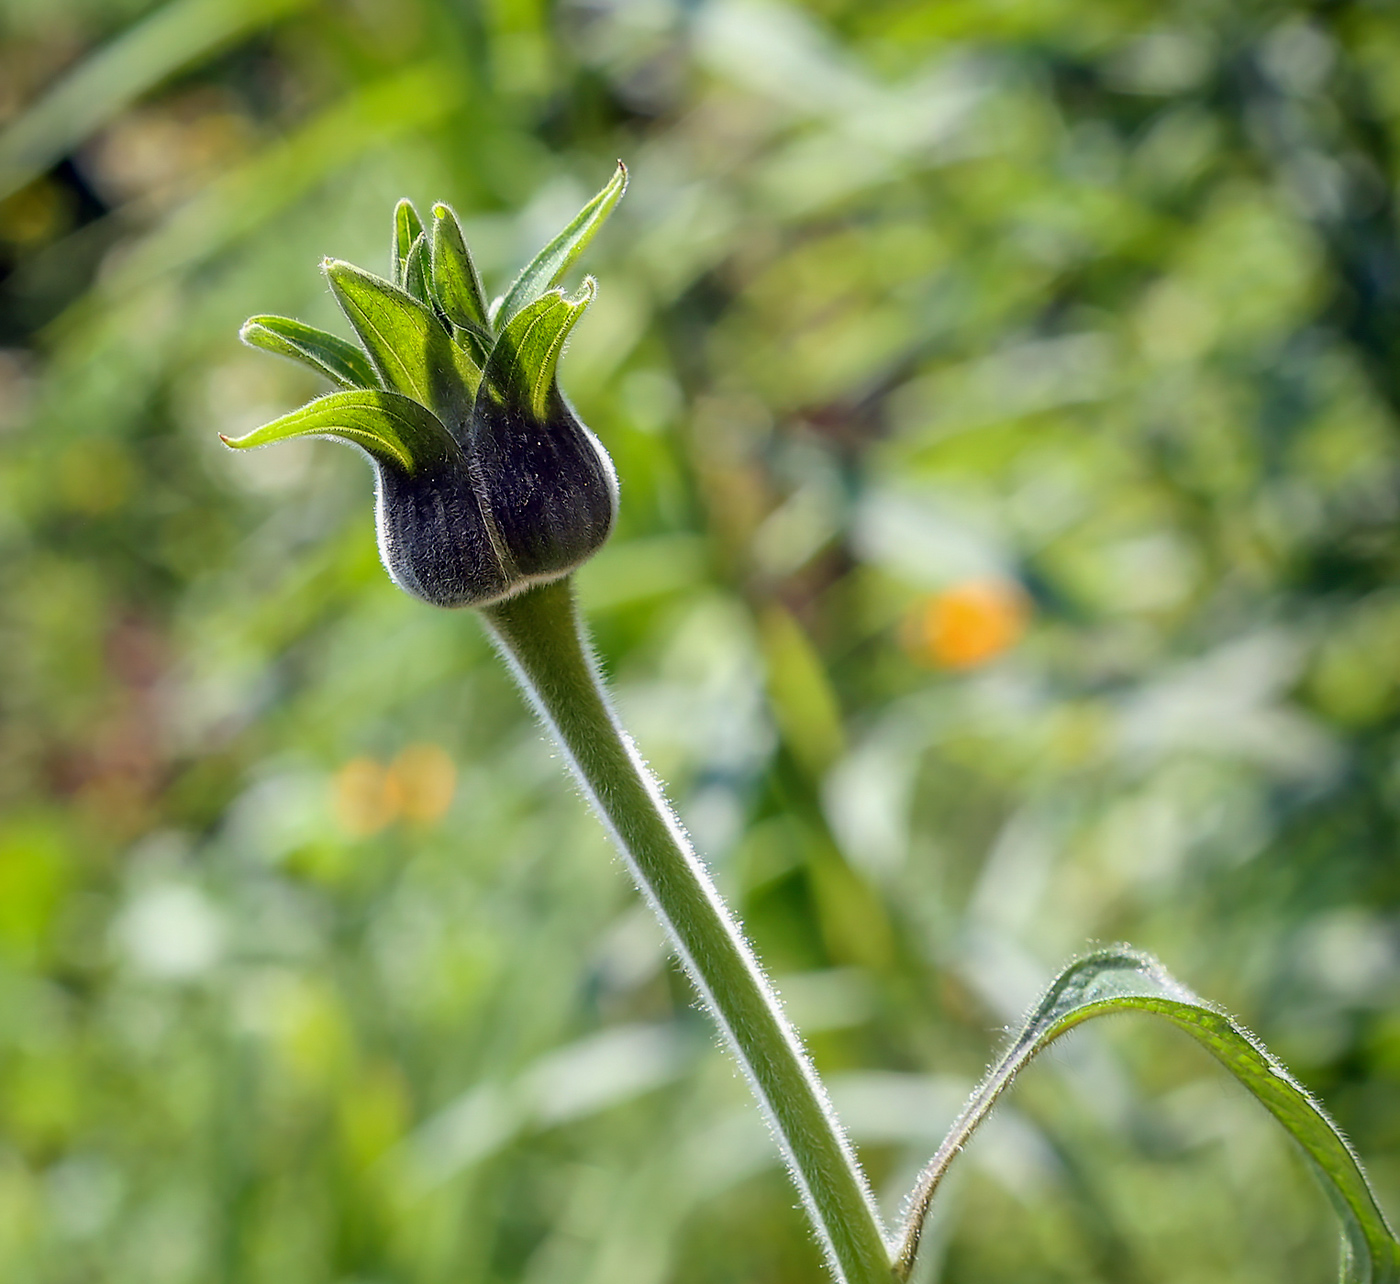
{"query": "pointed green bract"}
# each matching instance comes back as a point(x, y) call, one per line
point(327, 354)
point(408, 227)
point(393, 429)
point(415, 271)
point(1124, 980)
point(406, 342)
point(525, 360)
point(550, 264)
point(455, 282)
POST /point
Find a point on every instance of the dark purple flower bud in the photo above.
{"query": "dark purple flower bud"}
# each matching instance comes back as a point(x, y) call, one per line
point(487, 479)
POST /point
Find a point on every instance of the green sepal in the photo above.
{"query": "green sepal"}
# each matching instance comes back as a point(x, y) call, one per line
point(408, 227)
point(477, 343)
point(415, 271)
point(523, 364)
point(549, 265)
point(406, 342)
point(455, 282)
point(328, 354)
point(393, 429)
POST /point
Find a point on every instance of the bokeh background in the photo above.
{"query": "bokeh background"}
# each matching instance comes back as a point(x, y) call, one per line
point(1005, 394)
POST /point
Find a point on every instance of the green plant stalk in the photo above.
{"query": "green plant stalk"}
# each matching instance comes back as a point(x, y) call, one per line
point(540, 634)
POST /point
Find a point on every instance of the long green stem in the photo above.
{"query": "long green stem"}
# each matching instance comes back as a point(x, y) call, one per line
point(540, 634)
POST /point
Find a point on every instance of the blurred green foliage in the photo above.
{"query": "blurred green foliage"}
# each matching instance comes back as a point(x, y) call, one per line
point(1006, 401)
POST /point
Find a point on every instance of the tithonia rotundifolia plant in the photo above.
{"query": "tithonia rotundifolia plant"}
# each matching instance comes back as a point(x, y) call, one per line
point(489, 493)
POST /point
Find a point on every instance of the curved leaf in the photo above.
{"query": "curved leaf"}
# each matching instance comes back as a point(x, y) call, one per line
point(391, 428)
point(524, 361)
point(1124, 980)
point(406, 342)
point(544, 271)
point(327, 354)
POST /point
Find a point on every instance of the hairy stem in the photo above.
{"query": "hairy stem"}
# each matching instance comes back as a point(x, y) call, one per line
point(541, 636)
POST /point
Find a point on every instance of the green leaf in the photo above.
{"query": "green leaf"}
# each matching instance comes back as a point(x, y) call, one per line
point(328, 354)
point(408, 227)
point(393, 429)
point(1123, 980)
point(550, 264)
point(455, 282)
point(415, 271)
point(406, 342)
point(524, 362)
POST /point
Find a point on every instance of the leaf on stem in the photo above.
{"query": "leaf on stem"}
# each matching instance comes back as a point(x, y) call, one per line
point(525, 360)
point(549, 265)
point(390, 428)
point(327, 354)
point(1123, 980)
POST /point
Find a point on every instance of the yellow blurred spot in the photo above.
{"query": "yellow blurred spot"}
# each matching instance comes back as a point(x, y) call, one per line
point(373, 1113)
point(366, 797)
point(967, 625)
point(307, 1028)
point(1176, 323)
point(94, 477)
point(417, 786)
point(426, 780)
point(34, 214)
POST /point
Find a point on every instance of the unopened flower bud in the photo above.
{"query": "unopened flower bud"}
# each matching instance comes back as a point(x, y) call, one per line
point(487, 479)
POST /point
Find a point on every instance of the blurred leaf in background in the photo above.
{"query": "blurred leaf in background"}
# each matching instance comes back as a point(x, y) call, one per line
point(1005, 397)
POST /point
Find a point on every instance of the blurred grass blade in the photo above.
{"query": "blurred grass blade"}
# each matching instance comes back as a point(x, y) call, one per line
point(393, 429)
point(550, 264)
point(405, 341)
point(116, 75)
point(455, 282)
point(252, 194)
point(1123, 980)
point(328, 354)
point(572, 1082)
point(408, 227)
point(526, 357)
point(799, 690)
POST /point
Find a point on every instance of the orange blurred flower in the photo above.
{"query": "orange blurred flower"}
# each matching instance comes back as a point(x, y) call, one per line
point(426, 780)
point(417, 786)
point(968, 624)
point(366, 797)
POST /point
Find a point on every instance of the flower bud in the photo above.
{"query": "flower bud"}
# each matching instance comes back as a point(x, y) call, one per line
point(487, 481)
